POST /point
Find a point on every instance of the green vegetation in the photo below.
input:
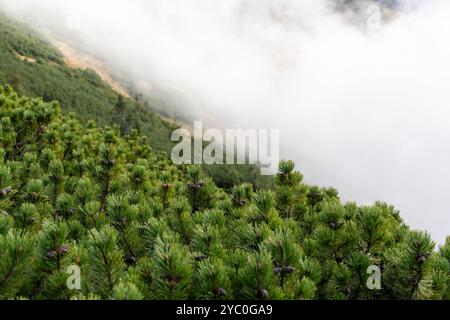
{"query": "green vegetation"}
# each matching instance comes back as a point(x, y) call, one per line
point(80, 91)
point(84, 92)
point(138, 227)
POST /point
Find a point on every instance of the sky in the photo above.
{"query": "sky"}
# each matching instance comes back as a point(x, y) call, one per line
point(365, 112)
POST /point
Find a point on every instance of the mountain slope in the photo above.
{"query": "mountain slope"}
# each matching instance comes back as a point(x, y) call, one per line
point(79, 197)
point(35, 68)
point(44, 74)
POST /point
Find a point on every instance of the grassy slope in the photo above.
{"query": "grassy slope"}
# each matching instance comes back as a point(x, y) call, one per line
point(80, 91)
point(83, 92)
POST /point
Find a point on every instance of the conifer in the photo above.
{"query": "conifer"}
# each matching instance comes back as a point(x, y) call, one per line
point(74, 195)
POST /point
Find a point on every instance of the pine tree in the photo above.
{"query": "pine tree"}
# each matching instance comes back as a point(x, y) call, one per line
point(121, 117)
point(290, 193)
point(194, 186)
point(6, 191)
point(105, 171)
point(172, 271)
point(256, 278)
point(444, 270)
point(180, 219)
point(212, 281)
point(56, 174)
point(285, 255)
point(73, 195)
point(105, 261)
point(265, 209)
point(16, 252)
point(408, 269)
point(123, 217)
point(126, 291)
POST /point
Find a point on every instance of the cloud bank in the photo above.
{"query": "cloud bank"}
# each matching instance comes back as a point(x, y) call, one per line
point(368, 114)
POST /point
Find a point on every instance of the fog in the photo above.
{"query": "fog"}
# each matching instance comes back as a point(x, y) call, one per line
point(365, 112)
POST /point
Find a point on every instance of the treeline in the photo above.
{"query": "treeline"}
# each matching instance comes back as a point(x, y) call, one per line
point(73, 195)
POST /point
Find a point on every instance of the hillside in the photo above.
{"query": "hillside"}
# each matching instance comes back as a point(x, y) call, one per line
point(36, 68)
point(73, 195)
point(75, 59)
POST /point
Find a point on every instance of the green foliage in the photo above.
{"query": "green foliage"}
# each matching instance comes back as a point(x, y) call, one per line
point(256, 278)
point(409, 268)
point(212, 281)
point(126, 291)
point(442, 272)
point(15, 262)
point(138, 227)
point(172, 271)
point(80, 91)
point(106, 265)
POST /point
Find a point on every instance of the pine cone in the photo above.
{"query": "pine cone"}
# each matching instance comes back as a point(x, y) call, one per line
point(63, 249)
point(200, 184)
point(242, 202)
point(173, 280)
point(289, 270)
point(277, 270)
point(130, 260)
point(111, 163)
point(423, 257)
point(51, 254)
point(221, 292)
point(262, 293)
point(5, 192)
point(200, 258)
point(196, 186)
point(165, 186)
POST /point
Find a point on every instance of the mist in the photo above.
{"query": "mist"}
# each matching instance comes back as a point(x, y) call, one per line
point(365, 112)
